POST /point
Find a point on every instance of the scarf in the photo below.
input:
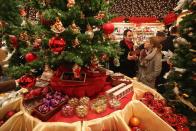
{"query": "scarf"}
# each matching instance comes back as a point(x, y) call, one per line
point(146, 55)
point(129, 44)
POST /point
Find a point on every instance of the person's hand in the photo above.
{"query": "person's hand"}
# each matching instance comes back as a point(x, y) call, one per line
point(132, 57)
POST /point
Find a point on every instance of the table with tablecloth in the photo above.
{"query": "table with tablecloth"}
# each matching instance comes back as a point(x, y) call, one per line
point(110, 120)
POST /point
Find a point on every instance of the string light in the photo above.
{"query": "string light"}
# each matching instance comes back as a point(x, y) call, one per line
point(138, 8)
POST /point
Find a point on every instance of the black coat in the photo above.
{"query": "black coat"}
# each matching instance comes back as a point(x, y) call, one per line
point(127, 67)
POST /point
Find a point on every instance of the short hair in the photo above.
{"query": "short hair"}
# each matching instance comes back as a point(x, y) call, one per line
point(126, 31)
point(155, 42)
point(160, 33)
point(174, 30)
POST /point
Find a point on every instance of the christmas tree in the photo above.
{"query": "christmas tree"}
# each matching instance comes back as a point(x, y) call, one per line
point(182, 77)
point(57, 33)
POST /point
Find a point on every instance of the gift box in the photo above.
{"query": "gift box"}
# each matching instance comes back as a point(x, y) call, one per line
point(49, 114)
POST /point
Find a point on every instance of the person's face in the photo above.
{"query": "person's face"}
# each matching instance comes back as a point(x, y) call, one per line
point(161, 38)
point(147, 44)
point(129, 36)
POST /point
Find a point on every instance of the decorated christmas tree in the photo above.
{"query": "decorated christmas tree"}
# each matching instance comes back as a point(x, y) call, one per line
point(181, 86)
point(55, 33)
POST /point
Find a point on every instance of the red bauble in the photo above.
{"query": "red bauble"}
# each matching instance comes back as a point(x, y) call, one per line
point(57, 44)
point(27, 81)
point(13, 40)
point(1, 122)
point(182, 128)
point(136, 128)
point(22, 12)
point(134, 121)
point(9, 114)
point(108, 28)
point(29, 57)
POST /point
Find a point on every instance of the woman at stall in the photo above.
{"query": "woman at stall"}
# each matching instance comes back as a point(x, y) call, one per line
point(150, 62)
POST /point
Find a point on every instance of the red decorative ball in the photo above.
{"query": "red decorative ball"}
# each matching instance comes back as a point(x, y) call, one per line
point(29, 57)
point(108, 28)
point(134, 121)
point(182, 128)
point(57, 44)
point(13, 40)
point(136, 128)
point(27, 81)
point(9, 114)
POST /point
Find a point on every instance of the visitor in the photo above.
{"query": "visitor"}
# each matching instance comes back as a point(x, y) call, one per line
point(150, 62)
point(128, 60)
point(167, 45)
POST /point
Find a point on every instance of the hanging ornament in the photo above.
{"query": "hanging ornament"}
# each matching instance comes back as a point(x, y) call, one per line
point(58, 26)
point(30, 57)
point(100, 15)
point(116, 61)
point(47, 74)
point(24, 36)
point(82, 15)
point(75, 43)
point(76, 71)
point(70, 3)
point(13, 40)
point(74, 28)
point(89, 31)
point(45, 21)
point(108, 28)
point(94, 63)
point(32, 13)
point(22, 12)
point(194, 77)
point(104, 57)
point(57, 45)
point(37, 43)
point(2, 24)
point(194, 60)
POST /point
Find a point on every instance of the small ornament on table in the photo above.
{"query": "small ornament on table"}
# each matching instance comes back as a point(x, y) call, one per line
point(84, 101)
point(76, 71)
point(99, 105)
point(74, 28)
point(70, 3)
point(26, 81)
point(47, 74)
point(89, 31)
point(75, 43)
point(73, 102)
point(37, 43)
point(67, 110)
point(94, 63)
point(58, 26)
point(82, 111)
point(114, 103)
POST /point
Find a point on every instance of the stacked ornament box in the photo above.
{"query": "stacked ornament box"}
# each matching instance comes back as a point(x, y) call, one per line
point(119, 91)
point(118, 78)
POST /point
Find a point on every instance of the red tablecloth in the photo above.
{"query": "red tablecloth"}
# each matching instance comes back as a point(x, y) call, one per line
point(58, 117)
